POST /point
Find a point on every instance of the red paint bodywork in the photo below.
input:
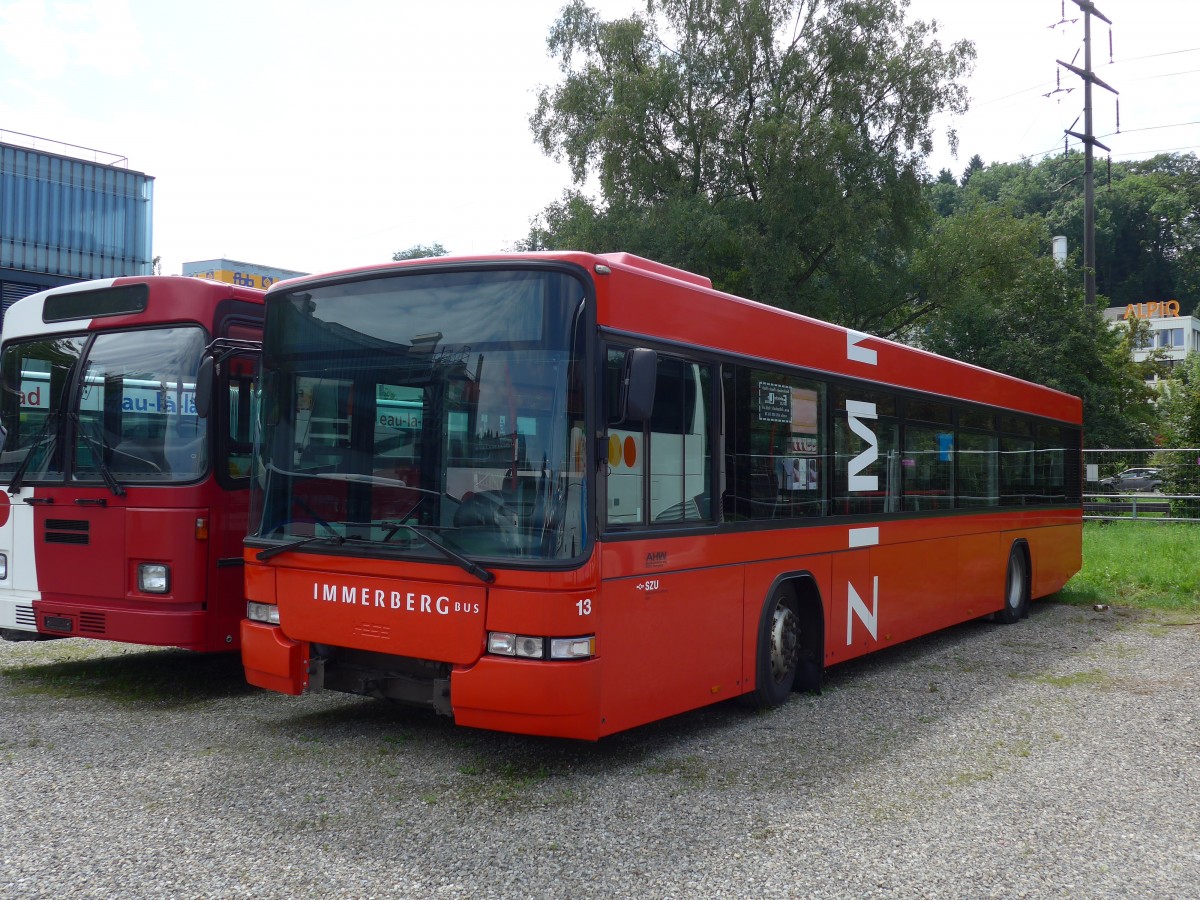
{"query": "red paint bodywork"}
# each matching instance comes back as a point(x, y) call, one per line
point(691, 640)
point(89, 588)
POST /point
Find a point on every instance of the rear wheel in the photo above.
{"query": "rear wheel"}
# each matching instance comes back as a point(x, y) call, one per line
point(778, 649)
point(1016, 588)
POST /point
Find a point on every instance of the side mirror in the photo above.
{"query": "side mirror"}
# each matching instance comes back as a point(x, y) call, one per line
point(205, 379)
point(638, 378)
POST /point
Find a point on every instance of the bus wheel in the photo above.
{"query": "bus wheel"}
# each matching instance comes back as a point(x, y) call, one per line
point(778, 650)
point(1016, 588)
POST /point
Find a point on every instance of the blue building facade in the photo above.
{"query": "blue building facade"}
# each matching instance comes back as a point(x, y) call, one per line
point(65, 219)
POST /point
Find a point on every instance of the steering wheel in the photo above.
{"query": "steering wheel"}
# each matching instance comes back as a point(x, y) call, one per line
point(488, 509)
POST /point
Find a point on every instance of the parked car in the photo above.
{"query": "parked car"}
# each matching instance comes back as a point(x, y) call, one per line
point(1142, 479)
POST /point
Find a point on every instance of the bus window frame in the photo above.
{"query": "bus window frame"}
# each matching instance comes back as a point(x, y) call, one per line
point(608, 406)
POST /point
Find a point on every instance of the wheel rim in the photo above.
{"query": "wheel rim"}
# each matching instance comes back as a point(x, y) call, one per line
point(1016, 582)
point(785, 635)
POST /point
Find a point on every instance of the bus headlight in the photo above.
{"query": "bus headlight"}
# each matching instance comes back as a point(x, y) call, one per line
point(503, 643)
point(3, 566)
point(262, 612)
point(154, 578)
point(573, 648)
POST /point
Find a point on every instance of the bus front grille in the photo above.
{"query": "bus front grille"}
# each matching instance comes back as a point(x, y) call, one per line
point(66, 531)
point(91, 623)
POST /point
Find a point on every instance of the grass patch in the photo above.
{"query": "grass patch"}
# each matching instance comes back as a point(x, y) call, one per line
point(1076, 679)
point(162, 677)
point(506, 783)
point(1138, 564)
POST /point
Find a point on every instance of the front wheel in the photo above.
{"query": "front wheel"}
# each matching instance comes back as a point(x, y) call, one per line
point(1016, 588)
point(778, 650)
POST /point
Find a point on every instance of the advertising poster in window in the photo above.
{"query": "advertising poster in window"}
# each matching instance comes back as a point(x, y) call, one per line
point(796, 466)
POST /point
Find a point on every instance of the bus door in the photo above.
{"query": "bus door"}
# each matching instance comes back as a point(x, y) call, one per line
point(37, 377)
point(232, 421)
point(119, 532)
point(672, 619)
point(866, 483)
point(854, 623)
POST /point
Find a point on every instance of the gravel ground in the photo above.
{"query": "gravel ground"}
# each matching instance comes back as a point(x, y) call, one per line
point(1053, 758)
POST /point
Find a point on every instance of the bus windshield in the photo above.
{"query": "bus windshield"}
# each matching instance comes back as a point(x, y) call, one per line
point(125, 403)
point(401, 412)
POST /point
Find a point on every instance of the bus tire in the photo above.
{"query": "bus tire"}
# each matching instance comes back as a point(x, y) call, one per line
point(778, 649)
point(1016, 587)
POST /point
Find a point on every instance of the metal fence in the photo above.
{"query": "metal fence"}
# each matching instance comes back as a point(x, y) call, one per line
point(1160, 484)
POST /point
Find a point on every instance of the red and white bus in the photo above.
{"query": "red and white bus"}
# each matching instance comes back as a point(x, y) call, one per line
point(568, 494)
point(122, 512)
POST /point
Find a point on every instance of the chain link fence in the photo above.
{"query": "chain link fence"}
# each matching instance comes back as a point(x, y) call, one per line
point(1160, 484)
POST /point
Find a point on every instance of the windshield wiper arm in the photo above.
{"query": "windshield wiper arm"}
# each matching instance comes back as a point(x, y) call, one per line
point(469, 565)
point(333, 537)
point(336, 539)
point(18, 475)
point(98, 448)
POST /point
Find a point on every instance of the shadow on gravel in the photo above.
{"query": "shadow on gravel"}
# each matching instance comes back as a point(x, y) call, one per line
point(163, 678)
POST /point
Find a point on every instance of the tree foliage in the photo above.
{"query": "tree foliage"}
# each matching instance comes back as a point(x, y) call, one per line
point(998, 300)
point(420, 251)
point(776, 145)
point(1147, 219)
point(1180, 407)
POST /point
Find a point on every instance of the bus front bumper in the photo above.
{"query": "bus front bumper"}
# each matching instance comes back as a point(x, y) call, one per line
point(554, 699)
point(273, 661)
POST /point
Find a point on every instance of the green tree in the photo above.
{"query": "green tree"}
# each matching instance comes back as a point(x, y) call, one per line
point(997, 299)
point(775, 145)
point(420, 251)
point(974, 165)
point(1147, 229)
point(1180, 407)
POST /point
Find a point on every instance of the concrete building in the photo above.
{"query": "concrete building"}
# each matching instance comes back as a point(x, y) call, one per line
point(1171, 334)
point(231, 271)
point(69, 213)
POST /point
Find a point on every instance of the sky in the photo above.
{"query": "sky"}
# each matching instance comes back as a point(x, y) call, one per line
point(316, 136)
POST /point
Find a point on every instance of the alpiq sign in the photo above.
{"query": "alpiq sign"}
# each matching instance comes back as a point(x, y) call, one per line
point(1155, 309)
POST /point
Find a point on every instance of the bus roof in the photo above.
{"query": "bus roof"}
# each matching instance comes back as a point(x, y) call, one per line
point(643, 297)
point(172, 298)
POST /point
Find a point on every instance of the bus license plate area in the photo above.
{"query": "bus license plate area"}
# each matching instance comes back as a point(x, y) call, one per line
point(62, 624)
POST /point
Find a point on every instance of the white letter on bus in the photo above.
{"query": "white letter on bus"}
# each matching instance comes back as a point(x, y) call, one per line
point(856, 607)
point(856, 411)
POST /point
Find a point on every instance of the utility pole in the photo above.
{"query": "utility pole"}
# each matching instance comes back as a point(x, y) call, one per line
point(1089, 141)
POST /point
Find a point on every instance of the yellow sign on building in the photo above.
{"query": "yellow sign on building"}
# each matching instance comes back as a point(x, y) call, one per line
point(1155, 309)
point(233, 272)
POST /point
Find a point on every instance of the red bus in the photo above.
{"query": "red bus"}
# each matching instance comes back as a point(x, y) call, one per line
point(568, 494)
point(122, 512)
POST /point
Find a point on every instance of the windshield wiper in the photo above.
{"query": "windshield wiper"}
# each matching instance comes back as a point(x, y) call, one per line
point(18, 474)
point(333, 537)
point(98, 448)
point(336, 539)
point(469, 565)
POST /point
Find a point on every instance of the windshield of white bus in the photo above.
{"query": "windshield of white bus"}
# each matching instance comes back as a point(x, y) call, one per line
point(443, 407)
point(119, 409)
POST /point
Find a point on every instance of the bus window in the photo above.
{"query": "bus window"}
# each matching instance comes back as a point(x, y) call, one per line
point(928, 468)
point(866, 467)
point(675, 445)
point(137, 407)
point(35, 378)
point(774, 443)
point(978, 477)
point(1018, 481)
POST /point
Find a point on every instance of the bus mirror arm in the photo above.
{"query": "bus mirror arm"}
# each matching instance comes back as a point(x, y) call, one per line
point(638, 377)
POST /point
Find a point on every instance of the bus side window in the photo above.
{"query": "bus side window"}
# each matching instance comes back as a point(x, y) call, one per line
point(241, 416)
point(660, 471)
